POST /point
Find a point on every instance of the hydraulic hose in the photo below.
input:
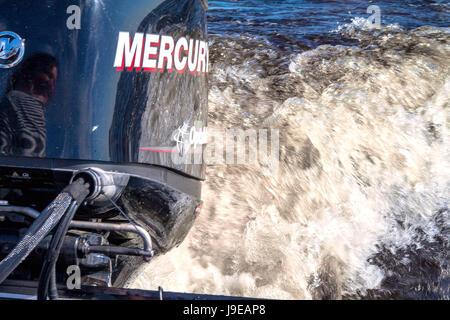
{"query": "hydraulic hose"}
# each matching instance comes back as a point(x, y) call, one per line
point(40, 228)
point(76, 192)
point(47, 277)
point(47, 280)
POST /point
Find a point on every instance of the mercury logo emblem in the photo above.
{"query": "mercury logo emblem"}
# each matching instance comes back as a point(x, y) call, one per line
point(12, 49)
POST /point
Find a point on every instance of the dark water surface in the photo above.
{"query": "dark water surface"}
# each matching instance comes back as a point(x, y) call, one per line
point(292, 24)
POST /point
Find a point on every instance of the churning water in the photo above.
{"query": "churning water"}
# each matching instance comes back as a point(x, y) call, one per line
point(360, 205)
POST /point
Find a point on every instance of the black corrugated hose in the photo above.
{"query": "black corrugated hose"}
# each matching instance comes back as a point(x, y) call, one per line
point(61, 210)
point(47, 280)
point(38, 230)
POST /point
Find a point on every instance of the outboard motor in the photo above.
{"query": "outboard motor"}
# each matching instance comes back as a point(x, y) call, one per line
point(107, 96)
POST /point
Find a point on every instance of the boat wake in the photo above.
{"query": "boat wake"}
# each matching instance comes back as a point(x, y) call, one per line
point(360, 205)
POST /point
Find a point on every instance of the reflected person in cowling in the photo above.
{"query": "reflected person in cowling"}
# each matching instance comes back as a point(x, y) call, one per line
point(22, 110)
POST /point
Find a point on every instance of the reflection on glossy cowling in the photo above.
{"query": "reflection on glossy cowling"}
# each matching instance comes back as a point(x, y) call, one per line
point(150, 106)
point(22, 109)
point(98, 112)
